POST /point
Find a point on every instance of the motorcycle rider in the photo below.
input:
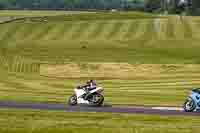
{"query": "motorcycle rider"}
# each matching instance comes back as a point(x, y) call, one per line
point(90, 85)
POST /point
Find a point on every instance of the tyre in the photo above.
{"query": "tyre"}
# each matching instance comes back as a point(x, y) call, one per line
point(72, 100)
point(189, 105)
point(97, 99)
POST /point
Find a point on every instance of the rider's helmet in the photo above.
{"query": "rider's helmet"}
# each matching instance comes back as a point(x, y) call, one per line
point(89, 82)
point(78, 87)
point(93, 82)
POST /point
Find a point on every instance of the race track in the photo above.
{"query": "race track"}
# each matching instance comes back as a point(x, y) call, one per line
point(108, 109)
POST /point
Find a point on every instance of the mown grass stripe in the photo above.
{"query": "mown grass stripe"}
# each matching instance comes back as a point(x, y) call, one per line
point(3, 30)
point(149, 82)
point(106, 30)
point(12, 29)
point(195, 30)
point(132, 29)
point(122, 31)
point(179, 29)
point(23, 31)
point(29, 31)
point(44, 31)
point(179, 86)
point(187, 29)
point(86, 34)
point(170, 29)
point(33, 97)
point(98, 29)
point(35, 30)
point(68, 33)
point(163, 29)
point(149, 32)
point(52, 31)
point(116, 26)
point(63, 28)
point(82, 27)
point(140, 31)
point(157, 85)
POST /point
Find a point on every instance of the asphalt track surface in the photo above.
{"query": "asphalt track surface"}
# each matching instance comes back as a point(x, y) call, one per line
point(106, 109)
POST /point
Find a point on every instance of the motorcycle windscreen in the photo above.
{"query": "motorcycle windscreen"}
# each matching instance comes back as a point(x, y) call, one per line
point(79, 92)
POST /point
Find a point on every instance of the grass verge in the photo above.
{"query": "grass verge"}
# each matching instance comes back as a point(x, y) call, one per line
point(33, 121)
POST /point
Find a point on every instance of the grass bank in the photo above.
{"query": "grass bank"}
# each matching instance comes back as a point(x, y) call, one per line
point(29, 121)
point(104, 37)
point(165, 90)
point(118, 41)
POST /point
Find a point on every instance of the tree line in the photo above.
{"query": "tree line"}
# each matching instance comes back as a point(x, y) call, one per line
point(174, 6)
point(72, 4)
point(170, 6)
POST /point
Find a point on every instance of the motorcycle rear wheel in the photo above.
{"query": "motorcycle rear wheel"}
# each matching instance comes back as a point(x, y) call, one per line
point(97, 99)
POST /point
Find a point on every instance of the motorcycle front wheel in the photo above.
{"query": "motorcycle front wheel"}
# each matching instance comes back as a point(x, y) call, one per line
point(189, 105)
point(72, 100)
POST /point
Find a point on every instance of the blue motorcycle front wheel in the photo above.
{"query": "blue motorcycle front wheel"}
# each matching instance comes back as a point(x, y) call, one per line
point(189, 105)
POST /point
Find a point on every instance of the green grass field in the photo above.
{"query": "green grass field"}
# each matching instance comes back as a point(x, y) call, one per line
point(140, 59)
point(103, 38)
point(125, 52)
point(168, 87)
point(27, 121)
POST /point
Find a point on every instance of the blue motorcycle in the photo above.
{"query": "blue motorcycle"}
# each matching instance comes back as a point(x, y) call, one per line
point(192, 103)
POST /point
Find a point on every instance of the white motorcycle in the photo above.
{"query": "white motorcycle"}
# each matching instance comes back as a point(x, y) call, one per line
point(81, 96)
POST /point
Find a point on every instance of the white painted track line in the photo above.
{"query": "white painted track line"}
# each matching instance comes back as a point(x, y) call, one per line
point(168, 108)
